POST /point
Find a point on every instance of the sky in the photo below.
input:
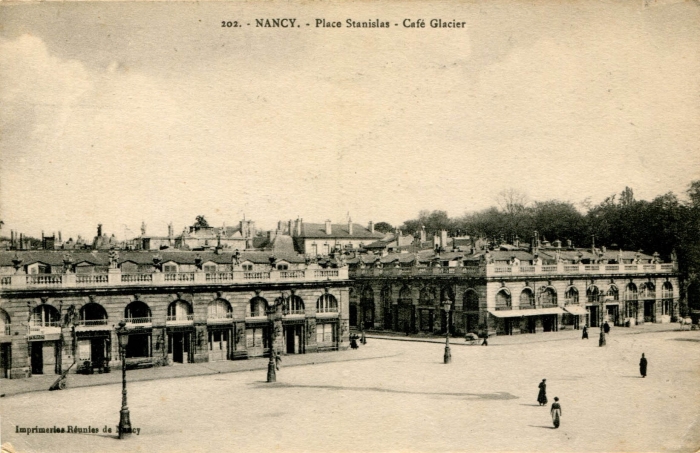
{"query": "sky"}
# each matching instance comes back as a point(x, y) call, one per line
point(122, 113)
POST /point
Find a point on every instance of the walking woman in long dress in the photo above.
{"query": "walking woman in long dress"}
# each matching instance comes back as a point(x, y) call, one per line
point(643, 366)
point(542, 396)
point(555, 411)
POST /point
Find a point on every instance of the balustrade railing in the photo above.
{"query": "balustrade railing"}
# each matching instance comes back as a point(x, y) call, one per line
point(91, 322)
point(326, 273)
point(142, 320)
point(256, 275)
point(292, 274)
point(45, 279)
point(179, 277)
point(91, 279)
point(219, 277)
point(137, 278)
point(180, 318)
point(215, 316)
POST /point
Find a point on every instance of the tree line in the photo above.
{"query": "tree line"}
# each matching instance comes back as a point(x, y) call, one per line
point(665, 224)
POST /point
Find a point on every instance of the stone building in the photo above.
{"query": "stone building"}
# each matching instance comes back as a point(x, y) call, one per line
point(511, 291)
point(321, 239)
point(179, 306)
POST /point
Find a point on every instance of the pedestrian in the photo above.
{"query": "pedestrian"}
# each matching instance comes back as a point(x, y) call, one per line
point(363, 339)
point(353, 341)
point(585, 332)
point(555, 411)
point(542, 396)
point(278, 359)
point(486, 340)
point(643, 366)
point(606, 328)
point(601, 340)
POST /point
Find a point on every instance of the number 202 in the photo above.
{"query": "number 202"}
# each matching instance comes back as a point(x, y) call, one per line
point(229, 24)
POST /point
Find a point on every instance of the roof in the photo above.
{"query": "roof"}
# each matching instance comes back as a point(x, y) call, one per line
point(101, 258)
point(318, 230)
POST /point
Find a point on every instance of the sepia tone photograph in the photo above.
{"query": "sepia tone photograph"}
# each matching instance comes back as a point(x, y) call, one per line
point(350, 226)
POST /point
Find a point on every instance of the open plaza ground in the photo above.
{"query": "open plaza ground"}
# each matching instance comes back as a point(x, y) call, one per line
point(394, 396)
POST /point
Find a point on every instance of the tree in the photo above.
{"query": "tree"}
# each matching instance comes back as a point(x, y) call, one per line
point(383, 227)
point(693, 193)
point(201, 222)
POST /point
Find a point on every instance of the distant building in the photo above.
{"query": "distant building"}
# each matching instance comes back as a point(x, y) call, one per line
point(321, 239)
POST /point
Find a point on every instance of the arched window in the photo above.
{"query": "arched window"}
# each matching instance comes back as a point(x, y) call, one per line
point(631, 292)
point(571, 295)
point(45, 316)
point(613, 293)
point(92, 314)
point(405, 296)
point(548, 297)
point(527, 298)
point(296, 305)
point(426, 296)
point(219, 309)
point(667, 291)
point(470, 302)
point(647, 291)
point(257, 306)
point(367, 298)
point(180, 310)
point(503, 299)
point(4, 323)
point(327, 303)
point(447, 294)
point(593, 294)
point(137, 312)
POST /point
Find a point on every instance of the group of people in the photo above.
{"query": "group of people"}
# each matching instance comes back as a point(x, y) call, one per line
point(555, 410)
point(355, 337)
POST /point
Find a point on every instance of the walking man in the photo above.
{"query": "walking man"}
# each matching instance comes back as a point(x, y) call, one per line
point(585, 332)
point(601, 339)
point(643, 366)
point(606, 328)
point(555, 411)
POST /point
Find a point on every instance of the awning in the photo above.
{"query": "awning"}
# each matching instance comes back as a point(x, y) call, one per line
point(576, 310)
point(526, 312)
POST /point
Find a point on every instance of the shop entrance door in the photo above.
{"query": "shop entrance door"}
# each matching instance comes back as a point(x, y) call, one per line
point(37, 357)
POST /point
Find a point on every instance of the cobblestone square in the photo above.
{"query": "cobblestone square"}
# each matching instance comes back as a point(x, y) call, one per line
point(408, 400)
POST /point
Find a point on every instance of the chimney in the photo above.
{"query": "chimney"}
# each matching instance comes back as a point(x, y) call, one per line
point(422, 234)
point(21, 241)
point(289, 227)
point(99, 230)
point(350, 226)
point(328, 227)
point(42, 235)
point(370, 227)
point(443, 239)
point(59, 237)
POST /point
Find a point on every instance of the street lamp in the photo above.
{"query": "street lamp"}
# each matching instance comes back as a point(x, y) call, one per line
point(448, 354)
point(124, 421)
point(273, 315)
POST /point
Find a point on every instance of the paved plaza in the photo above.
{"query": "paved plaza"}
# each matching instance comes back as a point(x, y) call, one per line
point(401, 397)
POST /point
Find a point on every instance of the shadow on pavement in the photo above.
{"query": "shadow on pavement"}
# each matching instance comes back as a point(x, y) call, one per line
point(483, 396)
point(540, 426)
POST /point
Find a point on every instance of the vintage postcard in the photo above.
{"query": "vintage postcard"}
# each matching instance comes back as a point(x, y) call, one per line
point(350, 226)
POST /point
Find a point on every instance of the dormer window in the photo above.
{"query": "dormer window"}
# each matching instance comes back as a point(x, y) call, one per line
point(209, 268)
point(283, 267)
point(170, 268)
point(247, 267)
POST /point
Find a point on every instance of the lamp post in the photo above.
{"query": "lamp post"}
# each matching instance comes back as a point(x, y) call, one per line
point(124, 421)
point(448, 353)
point(273, 315)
